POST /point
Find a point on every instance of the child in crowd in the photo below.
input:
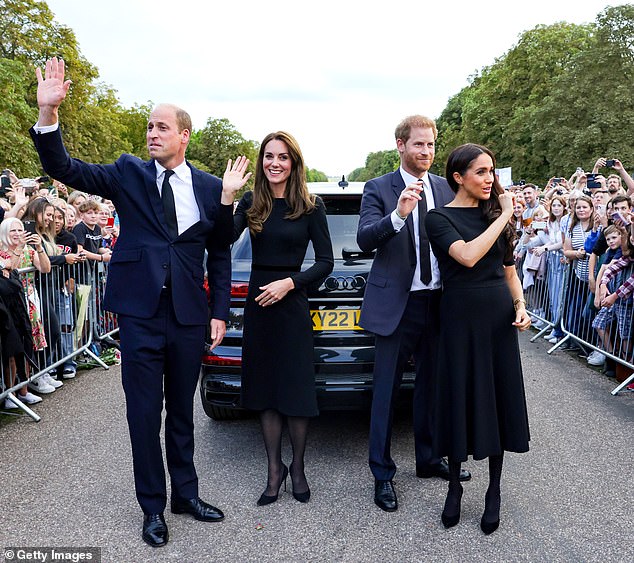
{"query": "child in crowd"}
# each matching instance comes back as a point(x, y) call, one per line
point(602, 323)
point(88, 235)
point(619, 270)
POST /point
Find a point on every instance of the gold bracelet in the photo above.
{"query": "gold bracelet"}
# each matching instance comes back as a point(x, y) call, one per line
point(518, 301)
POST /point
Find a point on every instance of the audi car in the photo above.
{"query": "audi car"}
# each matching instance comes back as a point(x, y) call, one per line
point(343, 351)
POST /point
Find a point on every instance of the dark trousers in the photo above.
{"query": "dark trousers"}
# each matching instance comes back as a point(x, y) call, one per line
point(161, 359)
point(417, 336)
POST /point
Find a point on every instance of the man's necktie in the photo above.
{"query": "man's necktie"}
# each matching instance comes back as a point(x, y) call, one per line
point(169, 207)
point(423, 241)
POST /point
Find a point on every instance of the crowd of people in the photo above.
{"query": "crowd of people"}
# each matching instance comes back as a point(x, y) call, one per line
point(57, 237)
point(569, 234)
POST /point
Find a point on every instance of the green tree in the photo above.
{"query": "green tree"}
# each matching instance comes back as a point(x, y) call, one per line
point(218, 142)
point(16, 116)
point(376, 164)
point(313, 175)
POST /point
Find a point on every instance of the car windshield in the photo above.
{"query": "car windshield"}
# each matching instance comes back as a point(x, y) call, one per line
point(343, 219)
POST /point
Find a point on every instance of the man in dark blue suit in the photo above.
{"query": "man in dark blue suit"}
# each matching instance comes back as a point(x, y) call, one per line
point(170, 213)
point(402, 298)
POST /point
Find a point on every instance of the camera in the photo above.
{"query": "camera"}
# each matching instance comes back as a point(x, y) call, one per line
point(617, 216)
point(29, 227)
point(5, 182)
point(593, 183)
point(609, 163)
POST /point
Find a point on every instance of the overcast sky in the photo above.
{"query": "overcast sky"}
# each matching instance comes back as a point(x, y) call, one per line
point(337, 74)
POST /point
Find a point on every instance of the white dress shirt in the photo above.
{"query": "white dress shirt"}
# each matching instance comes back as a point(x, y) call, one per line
point(187, 212)
point(398, 224)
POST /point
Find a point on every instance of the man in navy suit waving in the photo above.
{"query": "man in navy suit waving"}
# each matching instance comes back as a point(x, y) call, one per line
point(402, 298)
point(170, 213)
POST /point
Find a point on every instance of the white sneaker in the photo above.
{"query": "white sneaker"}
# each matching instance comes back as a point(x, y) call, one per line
point(52, 382)
point(30, 398)
point(550, 335)
point(9, 404)
point(41, 386)
point(596, 359)
point(553, 340)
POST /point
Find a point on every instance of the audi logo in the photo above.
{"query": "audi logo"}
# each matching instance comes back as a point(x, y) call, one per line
point(341, 283)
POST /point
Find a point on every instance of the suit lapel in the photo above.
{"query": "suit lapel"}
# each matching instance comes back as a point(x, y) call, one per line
point(197, 185)
point(153, 195)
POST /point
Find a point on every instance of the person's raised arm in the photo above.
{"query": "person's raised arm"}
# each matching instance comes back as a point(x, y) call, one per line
point(470, 253)
point(51, 91)
point(627, 179)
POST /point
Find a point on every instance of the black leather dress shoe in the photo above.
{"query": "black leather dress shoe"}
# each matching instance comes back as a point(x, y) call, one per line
point(440, 470)
point(385, 495)
point(155, 530)
point(198, 508)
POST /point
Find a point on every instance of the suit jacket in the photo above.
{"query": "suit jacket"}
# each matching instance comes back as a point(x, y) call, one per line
point(393, 268)
point(145, 252)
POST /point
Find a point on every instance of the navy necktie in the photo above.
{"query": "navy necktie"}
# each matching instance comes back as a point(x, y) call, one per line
point(169, 207)
point(423, 241)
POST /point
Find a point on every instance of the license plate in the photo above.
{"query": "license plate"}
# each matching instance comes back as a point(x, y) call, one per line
point(335, 319)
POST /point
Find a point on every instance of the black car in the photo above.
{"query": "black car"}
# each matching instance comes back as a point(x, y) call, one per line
point(344, 352)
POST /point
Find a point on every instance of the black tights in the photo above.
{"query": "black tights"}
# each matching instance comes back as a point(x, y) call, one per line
point(492, 498)
point(272, 422)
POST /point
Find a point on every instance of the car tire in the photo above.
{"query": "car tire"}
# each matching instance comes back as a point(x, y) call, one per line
point(221, 413)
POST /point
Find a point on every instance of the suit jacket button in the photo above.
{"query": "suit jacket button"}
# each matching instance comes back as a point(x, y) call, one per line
point(165, 266)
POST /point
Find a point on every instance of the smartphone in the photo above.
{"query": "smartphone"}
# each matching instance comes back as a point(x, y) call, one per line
point(29, 226)
point(539, 225)
point(110, 222)
point(609, 163)
point(526, 222)
point(600, 209)
point(618, 217)
point(592, 181)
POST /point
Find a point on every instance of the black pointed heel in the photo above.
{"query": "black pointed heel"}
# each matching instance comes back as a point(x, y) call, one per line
point(451, 512)
point(269, 499)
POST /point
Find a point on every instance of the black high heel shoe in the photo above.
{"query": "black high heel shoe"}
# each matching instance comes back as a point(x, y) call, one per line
point(451, 512)
point(491, 505)
point(303, 497)
point(269, 499)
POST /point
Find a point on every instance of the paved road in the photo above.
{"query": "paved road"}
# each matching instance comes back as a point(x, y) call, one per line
point(66, 481)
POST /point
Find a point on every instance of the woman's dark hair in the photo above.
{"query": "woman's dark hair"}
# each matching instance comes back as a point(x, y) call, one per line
point(296, 194)
point(460, 160)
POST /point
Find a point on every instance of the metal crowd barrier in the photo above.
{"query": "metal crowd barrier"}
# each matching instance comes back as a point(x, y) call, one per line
point(556, 297)
point(68, 303)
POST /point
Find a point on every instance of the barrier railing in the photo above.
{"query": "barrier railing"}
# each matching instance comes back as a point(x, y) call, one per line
point(65, 307)
point(559, 300)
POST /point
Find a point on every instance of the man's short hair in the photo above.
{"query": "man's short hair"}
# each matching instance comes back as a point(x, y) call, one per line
point(619, 198)
point(183, 120)
point(404, 128)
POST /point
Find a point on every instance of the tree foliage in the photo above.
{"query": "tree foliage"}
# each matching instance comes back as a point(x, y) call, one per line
point(376, 164)
point(218, 142)
point(561, 98)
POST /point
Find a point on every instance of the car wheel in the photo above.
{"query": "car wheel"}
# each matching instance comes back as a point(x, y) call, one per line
point(221, 413)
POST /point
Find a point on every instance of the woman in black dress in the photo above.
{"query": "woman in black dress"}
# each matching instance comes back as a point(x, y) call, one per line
point(480, 402)
point(278, 377)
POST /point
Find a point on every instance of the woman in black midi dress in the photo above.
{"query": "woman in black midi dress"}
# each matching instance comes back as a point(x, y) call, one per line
point(480, 407)
point(278, 377)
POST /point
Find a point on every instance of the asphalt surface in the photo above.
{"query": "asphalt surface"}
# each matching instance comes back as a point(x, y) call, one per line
point(67, 481)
